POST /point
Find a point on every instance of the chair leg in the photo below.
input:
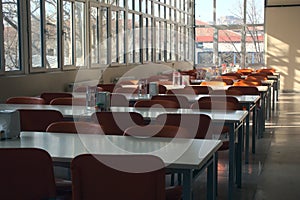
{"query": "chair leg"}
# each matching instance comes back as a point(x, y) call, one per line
point(216, 172)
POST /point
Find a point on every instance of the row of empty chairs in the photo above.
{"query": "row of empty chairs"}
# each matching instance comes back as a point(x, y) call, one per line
point(29, 172)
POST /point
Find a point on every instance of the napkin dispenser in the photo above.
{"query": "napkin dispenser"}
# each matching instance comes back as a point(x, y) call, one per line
point(9, 124)
point(103, 101)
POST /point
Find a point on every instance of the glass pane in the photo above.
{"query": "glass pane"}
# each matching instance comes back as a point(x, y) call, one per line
point(255, 12)
point(162, 40)
point(137, 45)
point(51, 34)
point(157, 39)
point(94, 35)
point(137, 5)
point(121, 36)
point(255, 45)
point(67, 30)
point(11, 35)
point(204, 11)
point(130, 37)
point(130, 4)
point(103, 36)
point(36, 39)
point(80, 33)
point(230, 12)
point(114, 47)
point(149, 7)
point(121, 3)
point(229, 46)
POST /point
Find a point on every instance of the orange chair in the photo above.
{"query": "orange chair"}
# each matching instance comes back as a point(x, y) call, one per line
point(139, 177)
point(71, 101)
point(157, 131)
point(202, 89)
point(74, 127)
point(25, 100)
point(157, 103)
point(213, 83)
point(115, 123)
point(234, 75)
point(247, 83)
point(268, 71)
point(38, 120)
point(245, 90)
point(48, 96)
point(27, 174)
point(227, 80)
point(245, 71)
point(181, 100)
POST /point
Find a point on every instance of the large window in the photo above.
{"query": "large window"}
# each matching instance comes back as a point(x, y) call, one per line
point(229, 32)
point(52, 35)
point(11, 35)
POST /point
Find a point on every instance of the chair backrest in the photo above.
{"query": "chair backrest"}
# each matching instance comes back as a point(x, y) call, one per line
point(25, 100)
point(196, 125)
point(247, 83)
point(27, 174)
point(157, 131)
point(74, 127)
point(226, 92)
point(109, 87)
point(181, 100)
point(38, 120)
point(217, 103)
point(233, 74)
point(157, 103)
point(213, 83)
point(84, 88)
point(126, 90)
point(68, 101)
point(245, 71)
point(119, 100)
point(187, 90)
point(268, 71)
point(204, 89)
point(245, 90)
point(92, 179)
point(48, 96)
point(115, 123)
point(224, 79)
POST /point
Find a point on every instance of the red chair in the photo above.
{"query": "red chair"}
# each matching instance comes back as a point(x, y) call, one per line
point(115, 123)
point(27, 174)
point(70, 101)
point(38, 120)
point(126, 90)
point(245, 71)
point(181, 100)
point(157, 131)
point(202, 89)
point(197, 126)
point(157, 103)
point(140, 177)
point(25, 100)
point(48, 96)
point(74, 127)
point(119, 100)
point(109, 87)
point(187, 90)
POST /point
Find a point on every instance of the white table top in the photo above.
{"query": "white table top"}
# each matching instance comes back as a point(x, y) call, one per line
point(228, 116)
point(81, 111)
point(178, 153)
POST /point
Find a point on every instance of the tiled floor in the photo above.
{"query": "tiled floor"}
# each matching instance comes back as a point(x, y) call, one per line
point(273, 173)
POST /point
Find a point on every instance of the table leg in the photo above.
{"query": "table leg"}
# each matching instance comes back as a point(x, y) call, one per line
point(247, 135)
point(239, 157)
point(211, 178)
point(187, 184)
point(254, 129)
point(231, 162)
